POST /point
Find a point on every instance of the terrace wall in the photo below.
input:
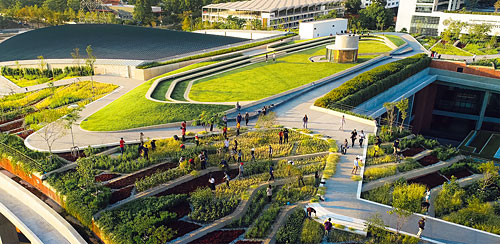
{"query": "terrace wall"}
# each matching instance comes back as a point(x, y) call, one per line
point(423, 106)
point(467, 69)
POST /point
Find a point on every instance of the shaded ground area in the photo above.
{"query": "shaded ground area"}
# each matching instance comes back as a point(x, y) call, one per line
point(108, 42)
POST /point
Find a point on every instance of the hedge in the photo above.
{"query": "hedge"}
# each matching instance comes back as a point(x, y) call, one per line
point(36, 73)
point(290, 232)
point(371, 83)
point(213, 53)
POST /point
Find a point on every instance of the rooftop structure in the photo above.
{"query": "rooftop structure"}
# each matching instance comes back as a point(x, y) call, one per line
point(329, 27)
point(390, 3)
point(274, 14)
point(428, 16)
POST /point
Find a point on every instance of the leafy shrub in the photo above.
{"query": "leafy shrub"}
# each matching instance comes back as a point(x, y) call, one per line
point(381, 160)
point(382, 194)
point(477, 215)
point(291, 194)
point(141, 221)
point(209, 207)
point(263, 223)
point(312, 145)
point(450, 198)
point(408, 197)
point(463, 164)
point(256, 205)
point(445, 153)
point(290, 232)
point(159, 178)
point(344, 237)
point(369, 84)
point(312, 232)
point(331, 165)
point(374, 173)
point(408, 165)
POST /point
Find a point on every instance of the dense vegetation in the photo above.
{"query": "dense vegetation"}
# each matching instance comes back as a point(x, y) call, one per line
point(373, 82)
point(32, 76)
point(290, 232)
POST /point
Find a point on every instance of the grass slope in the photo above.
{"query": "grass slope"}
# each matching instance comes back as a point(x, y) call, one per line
point(449, 49)
point(398, 41)
point(373, 47)
point(133, 110)
point(260, 80)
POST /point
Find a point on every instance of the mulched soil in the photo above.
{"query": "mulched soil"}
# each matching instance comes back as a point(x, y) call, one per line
point(182, 209)
point(14, 131)
point(462, 173)
point(219, 237)
point(130, 180)
point(410, 152)
point(68, 156)
point(428, 160)
point(182, 227)
point(430, 180)
point(7, 121)
point(25, 134)
point(248, 242)
point(105, 177)
point(121, 194)
point(4, 128)
point(201, 181)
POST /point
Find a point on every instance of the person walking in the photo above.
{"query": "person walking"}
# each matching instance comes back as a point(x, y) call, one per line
point(240, 169)
point(252, 153)
point(203, 160)
point(211, 181)
point(270, 151)
point(141, 138)
point(269, 193)
point(285, 135)
point(226, 144)
point(428, 195)
point(421, 226)
point(267, 57)
point(153, 145)
point(224, 165)
point(224, 131)
point(395, 146)
point(378, 142)
point(280, 134)
point(238, 118)
point(247, 118)
point(362, 137)
point(271, 173)
point(354, 134)
point(235, 144)
point(122, 145)
point(342, 123)
point(240, 155)
point(224, 119)
point(238, 129)
point(227, 179)
point(274, 57)
point(183, 131)
point(305, 119)
point(232, 155)
point(343, 147)
point(145, 152)
point(328, 226)
point(355, 166)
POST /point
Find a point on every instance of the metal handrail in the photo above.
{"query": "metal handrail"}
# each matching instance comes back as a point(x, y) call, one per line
point(26, 159)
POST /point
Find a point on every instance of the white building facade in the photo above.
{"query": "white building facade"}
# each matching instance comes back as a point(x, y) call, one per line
point(329, 27)
point(272, 13)
point(390, 3)
point(428, 16)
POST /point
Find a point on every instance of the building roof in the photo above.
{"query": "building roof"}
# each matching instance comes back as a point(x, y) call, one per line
point(323, 21)
point(268, 5)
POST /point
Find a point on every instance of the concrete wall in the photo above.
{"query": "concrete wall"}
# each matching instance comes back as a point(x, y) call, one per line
point(309, 30)
point(472, 70)
point(8, 232)
point(246, 34)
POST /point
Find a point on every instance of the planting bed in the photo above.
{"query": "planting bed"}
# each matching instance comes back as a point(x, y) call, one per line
point(248, 242)
point(410, 152)
point(18, 124)
point(68, 156)
point(131, 179)
point(25, 134)
point(430, 180)
point(182, 227)
point(202, 181)
point(428, 160)
point(461, 173)
point(219, 237)
point(121, 194)
point(105, 177)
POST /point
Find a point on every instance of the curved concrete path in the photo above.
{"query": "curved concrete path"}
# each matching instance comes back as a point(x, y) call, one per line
point(38, 222)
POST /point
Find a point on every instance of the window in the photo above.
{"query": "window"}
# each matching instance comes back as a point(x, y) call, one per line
point(460, 70)
point(423, 9)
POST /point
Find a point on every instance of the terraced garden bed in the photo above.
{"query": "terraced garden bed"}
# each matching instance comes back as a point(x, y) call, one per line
point(430, 180)
point(460, 173)
point(248, 242)
point(121, 194)
point(428, 160)
point(105, 177)
point(410, 152)
point(219, 237)
point(130, 180)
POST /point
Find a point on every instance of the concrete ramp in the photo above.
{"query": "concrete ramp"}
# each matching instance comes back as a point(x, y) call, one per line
point(37, 221)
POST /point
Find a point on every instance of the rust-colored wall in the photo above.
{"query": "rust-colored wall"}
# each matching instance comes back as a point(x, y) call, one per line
point(99, 234)
point(30, 178)
point(472, 70)
point(424, 104)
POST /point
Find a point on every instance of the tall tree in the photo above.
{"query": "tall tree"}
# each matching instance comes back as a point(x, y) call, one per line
point(143, 13)
point(376, 15)
point(352, 6)
point(90, 61)
point(403, 109)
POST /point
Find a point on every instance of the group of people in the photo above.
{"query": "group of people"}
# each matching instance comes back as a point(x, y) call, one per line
point(354, 135)
point(143, 149)
point(283, 135)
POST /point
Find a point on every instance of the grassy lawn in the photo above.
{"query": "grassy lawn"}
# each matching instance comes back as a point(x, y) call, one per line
point(162, 88)
point(261, 80)
point(398, 41)
point(492, 147)
point(449, 49)
point(143, 112)
point(479, 49)
point(373, 47)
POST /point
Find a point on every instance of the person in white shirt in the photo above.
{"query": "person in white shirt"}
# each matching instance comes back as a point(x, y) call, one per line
point(226, 144)
point(356, 166)
point(362, 137)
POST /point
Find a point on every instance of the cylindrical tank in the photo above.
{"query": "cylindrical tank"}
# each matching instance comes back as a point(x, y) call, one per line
point(345, 49)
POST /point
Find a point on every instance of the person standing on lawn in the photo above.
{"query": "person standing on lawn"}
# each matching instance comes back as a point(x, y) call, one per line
point(247, 118)
point(183, 131)
point(271, 173)
point(233, 153)
point(362, 137)
point(252, 152)
point(224, 131)
point(270, 151)
point(145, 151)
point(211, 181)
point(266, 57)
point(269, 193)
point(305, 119)
point(153, 145)
point(274, 57)
point(354, 134)
point(122, 145)
point(227, 179)
point(280, 134)
point(203, 160)
point(342, 123)
point(240, 155)
point(378, 142)
point(421, 226)
point(328, 226)
point(235, 144)
point(285, 135)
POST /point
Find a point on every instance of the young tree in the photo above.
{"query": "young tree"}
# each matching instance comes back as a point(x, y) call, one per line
point(76, 56)
point(143, 13)
point(479, 32)
point(490, 174)
point(406, 199)
point(389, 107)
point(69, 120)
point(492, 43)
point(454, 29)
point(497, 6)
point(352, 6)
point(186, 23)
point(90, 61)
point(52, 131)
point(403, 109)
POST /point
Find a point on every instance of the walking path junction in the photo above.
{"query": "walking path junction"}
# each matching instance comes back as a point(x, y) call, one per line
point(343, 203)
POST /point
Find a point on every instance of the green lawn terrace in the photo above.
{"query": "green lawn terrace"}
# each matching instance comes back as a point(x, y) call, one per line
point(482, 144)
point(24, 113)
point(105, 179)
point(463, 190)
point(261, 80)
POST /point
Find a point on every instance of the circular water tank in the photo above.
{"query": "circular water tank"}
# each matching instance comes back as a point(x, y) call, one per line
point(346, 42)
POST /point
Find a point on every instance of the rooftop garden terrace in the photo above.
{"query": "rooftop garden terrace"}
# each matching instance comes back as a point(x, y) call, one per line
point(33, 76)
